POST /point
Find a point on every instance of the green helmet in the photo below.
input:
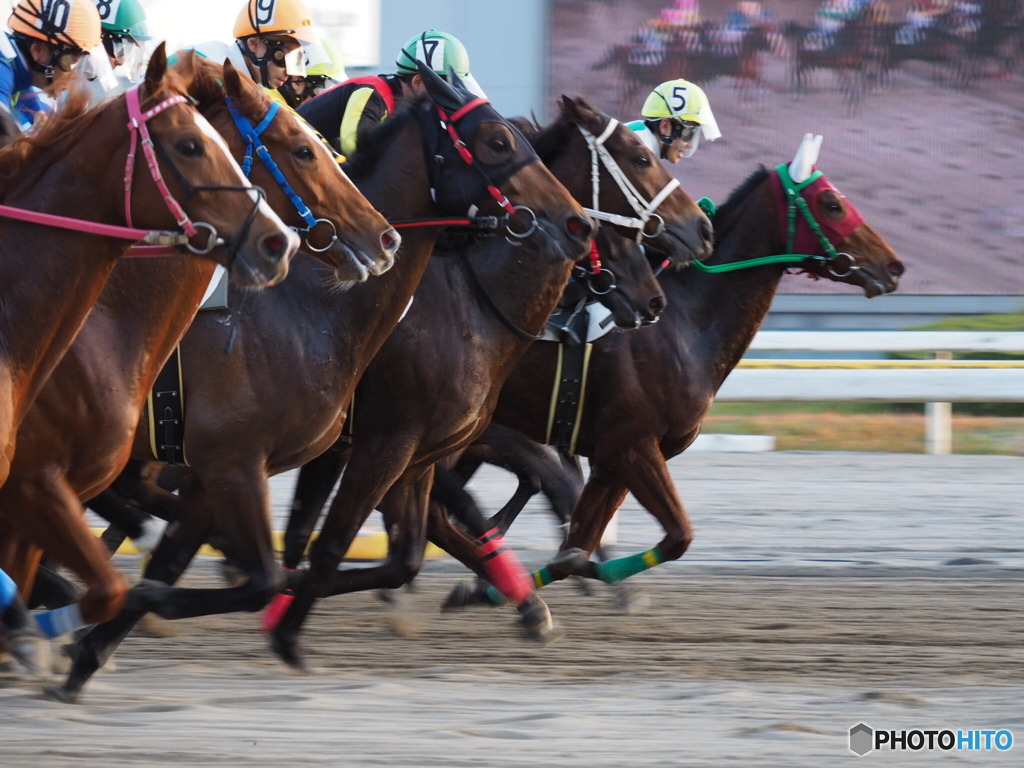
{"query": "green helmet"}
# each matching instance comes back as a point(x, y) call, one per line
point(440, 51)
point(126, 18)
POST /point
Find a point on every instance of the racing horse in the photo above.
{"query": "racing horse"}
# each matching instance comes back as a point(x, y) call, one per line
point(78, 434)
point(52, 268)
point(651, 388)
point(461, 352)
point(313, 341)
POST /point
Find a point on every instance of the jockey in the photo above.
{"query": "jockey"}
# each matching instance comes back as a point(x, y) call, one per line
point(124, 32)
point(273, 40)
point(47, 39)
point(319, 77)
point(345, 112)
point(675, 115)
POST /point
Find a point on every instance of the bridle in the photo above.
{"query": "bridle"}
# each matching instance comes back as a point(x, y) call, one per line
point(254, 144)
point(645, 210)
point(791, 202)
point(155, 242)
point(479, 223)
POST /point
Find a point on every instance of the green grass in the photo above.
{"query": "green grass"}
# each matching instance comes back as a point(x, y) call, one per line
point(1009, 322)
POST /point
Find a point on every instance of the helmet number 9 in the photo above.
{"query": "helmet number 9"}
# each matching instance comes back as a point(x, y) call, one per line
point(679, 98)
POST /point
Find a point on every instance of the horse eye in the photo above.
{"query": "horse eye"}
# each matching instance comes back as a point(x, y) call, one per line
point(190, 148)
point(642, 161)
point(498, 144)
point(833, 208)
point(304, 153)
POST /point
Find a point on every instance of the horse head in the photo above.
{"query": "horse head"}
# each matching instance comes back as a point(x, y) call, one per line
point(847, 249)
point(233, 224)
point(632, 189)
point(483, 165)
point(623, 281)
point(299, 174)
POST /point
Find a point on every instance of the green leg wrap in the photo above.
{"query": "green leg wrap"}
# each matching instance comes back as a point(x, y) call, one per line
point(614, 571)
point(540, 578)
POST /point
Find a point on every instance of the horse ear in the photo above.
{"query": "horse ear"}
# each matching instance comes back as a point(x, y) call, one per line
point(800, 168)
point(232, 80)
point(157, 67)
point(571, 109)
point(442, 94)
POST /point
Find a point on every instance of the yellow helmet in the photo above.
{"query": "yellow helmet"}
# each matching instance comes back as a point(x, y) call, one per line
point(679, 99)
point(288, 18)
point(61, 23)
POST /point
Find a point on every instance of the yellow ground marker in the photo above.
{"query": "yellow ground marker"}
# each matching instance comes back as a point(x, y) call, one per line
point(367, 546)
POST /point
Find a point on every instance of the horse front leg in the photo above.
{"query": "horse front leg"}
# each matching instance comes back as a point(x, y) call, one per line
point(317, 479)
point(177, 548)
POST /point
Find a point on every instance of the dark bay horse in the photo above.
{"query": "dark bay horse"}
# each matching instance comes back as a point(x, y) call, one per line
point(460, 353)
point(78, 435)
point(279, 398)
point(653, 387)
point(74, 166)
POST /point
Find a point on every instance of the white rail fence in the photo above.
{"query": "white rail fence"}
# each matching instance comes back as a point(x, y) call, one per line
point(938, 383)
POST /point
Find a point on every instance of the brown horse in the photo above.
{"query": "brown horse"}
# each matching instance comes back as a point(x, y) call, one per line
point(652, 388)
point(462, 361)
point(279, 398)
point(51, 277)
point(78, 435)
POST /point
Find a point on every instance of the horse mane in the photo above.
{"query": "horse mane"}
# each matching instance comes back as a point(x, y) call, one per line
point(550, 140)
point(726, 212)
point(31, 155)
point(373, 145)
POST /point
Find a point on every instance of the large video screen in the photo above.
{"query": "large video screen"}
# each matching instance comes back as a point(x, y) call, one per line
point(921, 106)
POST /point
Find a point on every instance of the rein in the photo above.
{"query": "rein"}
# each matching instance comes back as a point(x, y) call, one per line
point(253, 143)
point(645, 210)
point(158, 240)
point(795, 203)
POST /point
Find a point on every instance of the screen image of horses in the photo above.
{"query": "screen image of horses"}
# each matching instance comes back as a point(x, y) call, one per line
point(921, 105)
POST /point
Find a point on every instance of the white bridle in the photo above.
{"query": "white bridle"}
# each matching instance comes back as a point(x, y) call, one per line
point(645, 211)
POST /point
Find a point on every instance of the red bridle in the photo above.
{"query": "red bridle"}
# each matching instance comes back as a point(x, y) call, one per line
point(158, 241)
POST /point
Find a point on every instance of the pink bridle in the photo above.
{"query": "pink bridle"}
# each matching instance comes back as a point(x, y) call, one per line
point(157, 242)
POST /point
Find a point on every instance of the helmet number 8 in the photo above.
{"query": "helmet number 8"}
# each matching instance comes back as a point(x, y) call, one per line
point(679, 92)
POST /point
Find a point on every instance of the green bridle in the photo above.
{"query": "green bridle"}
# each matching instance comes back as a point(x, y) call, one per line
point(796, 203)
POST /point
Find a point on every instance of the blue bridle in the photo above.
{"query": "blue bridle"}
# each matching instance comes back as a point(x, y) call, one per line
point(253, 143)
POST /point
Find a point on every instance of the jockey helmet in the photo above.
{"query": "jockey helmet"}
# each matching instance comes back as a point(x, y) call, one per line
point(440, 51)
point(69, 25)
point(282, 24)
point(687, 106)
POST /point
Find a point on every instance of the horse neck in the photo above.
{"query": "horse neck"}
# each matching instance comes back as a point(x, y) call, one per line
point(148, 304)
point(399, 189)
point(717, 315)
point(52, 277)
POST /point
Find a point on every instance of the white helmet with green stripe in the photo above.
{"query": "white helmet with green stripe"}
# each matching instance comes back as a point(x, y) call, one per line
point(443, 53)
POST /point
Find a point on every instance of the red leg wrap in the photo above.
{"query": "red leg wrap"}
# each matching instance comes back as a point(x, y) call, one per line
point(503, 568)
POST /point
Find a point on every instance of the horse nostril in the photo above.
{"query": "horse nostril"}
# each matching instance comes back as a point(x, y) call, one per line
point(895, 268)
point(657, 305)
point(579, 227)
point(390, 242)
point(274, 245)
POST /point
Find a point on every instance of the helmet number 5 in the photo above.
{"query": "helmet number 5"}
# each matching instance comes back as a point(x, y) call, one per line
point(679, 92)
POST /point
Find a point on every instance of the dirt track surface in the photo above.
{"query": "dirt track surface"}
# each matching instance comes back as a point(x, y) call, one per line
point(822, 590)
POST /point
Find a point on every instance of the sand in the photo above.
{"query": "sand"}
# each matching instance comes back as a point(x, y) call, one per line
point(822, 590)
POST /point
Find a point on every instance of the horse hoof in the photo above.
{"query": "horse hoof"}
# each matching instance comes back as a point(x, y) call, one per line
point(31, 651)
point(386, 596)
point(568, 562)
point(60, 694)
point(631, 602)
point(459, 597)
point(288, 652)
point(536, 619)
point(582, 585)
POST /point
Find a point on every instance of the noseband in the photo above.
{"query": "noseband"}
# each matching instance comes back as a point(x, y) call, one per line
point(253, 143)
point(645, 211)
